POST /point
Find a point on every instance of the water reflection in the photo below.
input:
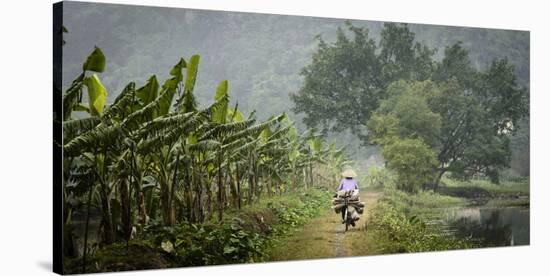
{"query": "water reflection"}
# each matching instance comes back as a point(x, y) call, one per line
point(491, 226)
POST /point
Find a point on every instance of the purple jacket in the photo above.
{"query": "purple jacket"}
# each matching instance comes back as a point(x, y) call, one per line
point(347, 184)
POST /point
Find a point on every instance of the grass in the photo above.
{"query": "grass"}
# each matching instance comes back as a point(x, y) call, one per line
point(323, 237)
point(312, 241)
point(504, 188)
point(423, 203)
point(398, 224)
point(364, 240)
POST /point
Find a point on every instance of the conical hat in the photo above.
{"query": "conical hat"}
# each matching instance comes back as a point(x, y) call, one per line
point(349, 173)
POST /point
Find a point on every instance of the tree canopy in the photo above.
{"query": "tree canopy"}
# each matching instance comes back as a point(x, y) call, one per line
point(396, 95)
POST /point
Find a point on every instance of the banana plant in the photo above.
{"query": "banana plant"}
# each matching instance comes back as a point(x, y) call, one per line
point(154, 155)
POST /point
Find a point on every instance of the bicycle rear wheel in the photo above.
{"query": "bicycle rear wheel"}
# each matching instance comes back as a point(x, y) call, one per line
point(347, 220)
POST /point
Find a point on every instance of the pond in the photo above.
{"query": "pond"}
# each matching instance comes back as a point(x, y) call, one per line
point(491, 226)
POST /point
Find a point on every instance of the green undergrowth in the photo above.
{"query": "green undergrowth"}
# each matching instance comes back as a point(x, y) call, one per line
point(242, 237)
point(422, 203)
point(484, 188)
point(399, 221)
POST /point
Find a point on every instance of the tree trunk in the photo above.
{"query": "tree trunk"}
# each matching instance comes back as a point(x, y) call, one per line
point(438, 179)
point(310, 174)
point(126, 217)
point(238, 186)
point(294, 178)
point(86, 227)
point(220, 184)
point(250, 180)
point(256, 181)
point(304, 174)
point(188, 191)
point(232, 188)
point(171, 209)
point(269, 185)
point(108, 232)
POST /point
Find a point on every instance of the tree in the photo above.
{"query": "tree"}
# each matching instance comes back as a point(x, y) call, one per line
point(406, 114)
point(395, 91)
point(347, 73)
point(146, 158)
point(346, 79)
point(460, 130)
point(401, 57)
point(413, 161)
point(480, 111)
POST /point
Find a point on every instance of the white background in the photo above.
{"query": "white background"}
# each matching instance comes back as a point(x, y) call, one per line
point(26, 136)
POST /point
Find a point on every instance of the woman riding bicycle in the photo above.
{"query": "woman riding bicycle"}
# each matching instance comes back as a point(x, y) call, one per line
point(348, 183)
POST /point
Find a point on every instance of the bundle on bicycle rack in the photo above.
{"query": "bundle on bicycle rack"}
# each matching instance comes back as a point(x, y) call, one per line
point(355, 207)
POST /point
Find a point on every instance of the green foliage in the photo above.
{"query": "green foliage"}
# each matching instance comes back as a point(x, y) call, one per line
point(380, 177)
point(401, 57)
point(241, 239)
point(149, 91)
point(209, 243)
point(355, 72)
point(480, 111)
point(406, 114)
point(95, 61)
point(397, 91)
point(515, 186)
point(97, 95)
point(220, 114)
point(420, 204)
point(455, 65)
point(401, 234)
point(413, 162)
point(347, 71)
point(400, 220)
point(156, 167)
point(189, 103)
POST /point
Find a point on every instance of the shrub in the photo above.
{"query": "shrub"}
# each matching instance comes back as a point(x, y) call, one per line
point(412, 160)
point(380, 177)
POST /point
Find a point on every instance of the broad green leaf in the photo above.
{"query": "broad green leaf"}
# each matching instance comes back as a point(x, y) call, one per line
point(292, 132)
point(165, 100)
point(177, 75)
point(315, 145)
point(265, 134)
point(187, 102)
point(149, 91)
point(176, 70)
point(97, 94)
point(72, 96)
point(95, 61)
point(221, 91)
point(235, 115)
point(167, 246)
point(293, 155)
point(219, 114)
point(191, 74)
point(229, 249)
point(192, 139)
point(81, 107)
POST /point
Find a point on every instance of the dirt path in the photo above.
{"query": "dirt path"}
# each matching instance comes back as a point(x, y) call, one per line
point(324, 236)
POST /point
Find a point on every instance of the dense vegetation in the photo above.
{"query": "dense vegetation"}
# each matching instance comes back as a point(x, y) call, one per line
point(400, 230)
point(419, 222)
point(244, 237)
point(152, 157)
point(430, 117)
